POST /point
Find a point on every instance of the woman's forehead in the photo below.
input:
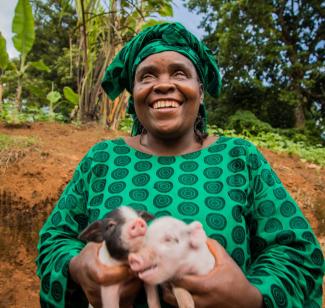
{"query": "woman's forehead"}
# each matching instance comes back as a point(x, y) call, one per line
point(165, 58)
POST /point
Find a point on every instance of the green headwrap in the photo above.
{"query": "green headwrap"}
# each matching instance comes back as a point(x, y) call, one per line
point(163, 37)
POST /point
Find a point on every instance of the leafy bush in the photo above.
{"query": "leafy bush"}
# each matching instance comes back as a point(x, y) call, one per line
point(292, 145)
point(244, 120)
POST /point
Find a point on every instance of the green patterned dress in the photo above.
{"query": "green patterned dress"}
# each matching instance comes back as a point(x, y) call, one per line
point(228, 186)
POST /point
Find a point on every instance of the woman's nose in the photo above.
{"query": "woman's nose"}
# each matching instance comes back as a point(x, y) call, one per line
point(163, 87)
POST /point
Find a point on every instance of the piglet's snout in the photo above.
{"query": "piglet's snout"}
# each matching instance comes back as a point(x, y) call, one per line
point(136, 262)
point(137, 228)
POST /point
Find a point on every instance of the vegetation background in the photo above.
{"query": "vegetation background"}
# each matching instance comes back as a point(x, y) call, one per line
point(271, 55)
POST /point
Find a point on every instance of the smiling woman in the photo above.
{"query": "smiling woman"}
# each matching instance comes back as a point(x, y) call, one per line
point(265, 247)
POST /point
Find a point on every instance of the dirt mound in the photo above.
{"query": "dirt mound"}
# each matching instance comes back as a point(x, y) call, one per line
point(31, 180)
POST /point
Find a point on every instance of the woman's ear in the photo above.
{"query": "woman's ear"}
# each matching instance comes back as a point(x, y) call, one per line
point(201, 93)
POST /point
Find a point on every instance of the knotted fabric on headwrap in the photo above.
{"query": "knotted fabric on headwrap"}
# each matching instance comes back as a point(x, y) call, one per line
point(163, 37)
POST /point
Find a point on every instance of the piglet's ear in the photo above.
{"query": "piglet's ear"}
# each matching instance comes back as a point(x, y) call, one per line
point(197, 234)
point(95, 231)
point(145, 215)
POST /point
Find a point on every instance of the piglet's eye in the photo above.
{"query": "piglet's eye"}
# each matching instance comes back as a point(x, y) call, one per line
point(170, 239)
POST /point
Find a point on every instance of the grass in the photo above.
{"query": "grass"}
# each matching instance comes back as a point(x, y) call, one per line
point(16, 142)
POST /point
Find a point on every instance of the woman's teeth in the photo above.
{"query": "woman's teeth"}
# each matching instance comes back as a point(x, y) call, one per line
point(165, 104)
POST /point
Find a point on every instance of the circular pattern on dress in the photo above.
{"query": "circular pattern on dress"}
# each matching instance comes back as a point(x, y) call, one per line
point(166, 160)
point(56, 218)
point(76, 176)
point(317, 257)
point(85, 165)
point(113, 202)
point(287, 209)
point(162, 213)
point(213, 159)
point(239, 256)
point(192, 155)
point(57, 291)
point(308, 236)
point(216, 221)
point(188, 179)
point(267, 177)
point(98, 186)
point(96, 200)
point(213, 187)
point(258, 184)
point(165, 172)
point(273, 225)
point(237, 151)
point(217, 148)
point(237, 195)
point(279, 296)
point(139, 194)
point(141, 179)
point(161, 201)
point(238, 234)
point(188, 208)
point(236, 213)
point(60, 261)
point(122, 160)
point(285, 237)
point(254, 161)
point(163, 186)
point(142, 155)
point(119, 141)
point(189, 166)
point(61, 203)
point(93, 214)
point(187, 193)
point(121, 149)
point(46, 283)
point(101, 157)
point(266, 208)
point(138, 206)
point(143, 166)
point(236, 165)
point(100, 146)
point(100, 170)
point(220, 239)
point(215, 203)
point(279, 193)
point(268, 301)
point(71, 201)
point(212, 172)
point(116, 187)
point(298, 223)
point(120, 173)
point(236, 180)
point(242, 142)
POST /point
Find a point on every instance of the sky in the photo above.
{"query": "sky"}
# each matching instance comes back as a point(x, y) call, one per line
point(7, 7)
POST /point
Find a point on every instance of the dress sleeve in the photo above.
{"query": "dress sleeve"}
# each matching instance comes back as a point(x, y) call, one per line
point(58, 242)
point(287, 262)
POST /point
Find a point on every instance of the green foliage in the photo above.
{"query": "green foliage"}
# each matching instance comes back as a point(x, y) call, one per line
point(125, 125)
point(71, 96)
point(23, 27)
point(271, 57)
point(4, 58)
point(244, 120)
point(40, 65)
point(7, 142)
point(297, 144)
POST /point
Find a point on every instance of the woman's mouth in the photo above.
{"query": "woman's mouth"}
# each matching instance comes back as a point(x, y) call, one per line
point(147, 271)
point(161, 104)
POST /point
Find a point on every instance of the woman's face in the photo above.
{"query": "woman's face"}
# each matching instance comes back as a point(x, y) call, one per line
point(167, 94)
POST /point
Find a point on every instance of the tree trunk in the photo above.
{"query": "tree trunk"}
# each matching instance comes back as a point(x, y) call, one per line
point(299, 116)
point(1, 93)
point(19, 91)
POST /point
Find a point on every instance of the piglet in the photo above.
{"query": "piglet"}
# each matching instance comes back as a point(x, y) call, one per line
point(171, 250)
point(122, 231)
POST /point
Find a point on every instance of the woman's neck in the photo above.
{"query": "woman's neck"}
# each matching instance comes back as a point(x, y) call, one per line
point(168, 146)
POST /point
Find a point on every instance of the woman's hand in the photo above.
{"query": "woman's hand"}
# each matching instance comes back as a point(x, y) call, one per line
point(225, 286)
point(87, 271)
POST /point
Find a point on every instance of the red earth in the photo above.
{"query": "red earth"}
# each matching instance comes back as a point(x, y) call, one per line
point(32, 178)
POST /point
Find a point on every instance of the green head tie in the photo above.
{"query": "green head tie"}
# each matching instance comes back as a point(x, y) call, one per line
point(163, 37)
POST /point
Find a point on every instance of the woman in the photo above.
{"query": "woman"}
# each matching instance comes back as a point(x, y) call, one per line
point(265, 250)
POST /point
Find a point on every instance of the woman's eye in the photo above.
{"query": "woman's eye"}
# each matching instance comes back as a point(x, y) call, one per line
point(179, 74)
point(146, 77)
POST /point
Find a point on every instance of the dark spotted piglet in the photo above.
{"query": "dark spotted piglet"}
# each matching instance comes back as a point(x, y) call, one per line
point(121, 232)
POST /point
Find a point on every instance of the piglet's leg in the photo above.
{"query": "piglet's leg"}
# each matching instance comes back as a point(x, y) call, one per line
point(111, 296)
point(152, 296)
point(183, 297)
